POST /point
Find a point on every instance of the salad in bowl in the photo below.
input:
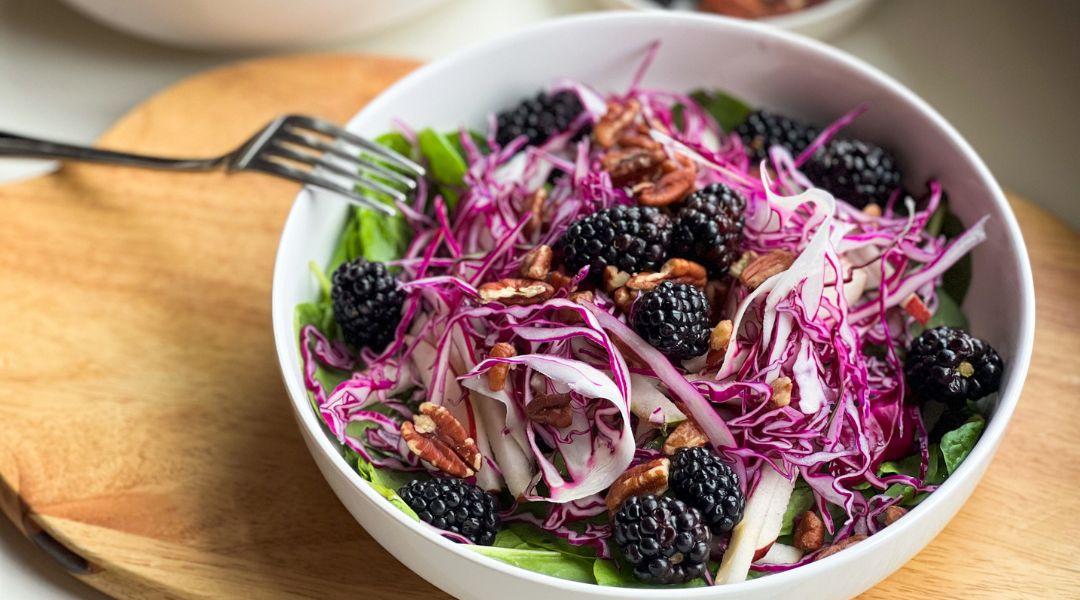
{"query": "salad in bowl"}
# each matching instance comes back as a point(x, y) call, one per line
point(651, 337)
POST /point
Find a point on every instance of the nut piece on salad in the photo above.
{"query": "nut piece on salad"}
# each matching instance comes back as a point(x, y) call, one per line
point(809, 532)
point(646, 478)
point(438, 438)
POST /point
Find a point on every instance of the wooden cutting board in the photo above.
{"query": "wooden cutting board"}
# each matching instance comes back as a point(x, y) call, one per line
point(146, 438)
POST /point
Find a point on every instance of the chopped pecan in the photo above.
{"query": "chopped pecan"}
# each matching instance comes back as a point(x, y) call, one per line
point(440, 440)
point(550, 409)
point(841, 545)
point(764, 267)
point(537, 262)
point(536, 211)
point(638, 137)
point(809, 532)
point(613, 278)
point(628, 166)
point(624, 298)
point(737, 267)
point(497, 374)
point(677, 270)
point(721, 336)
point(893, 514)
point(559, 280)
point(618, 117)
point(872, 210)
point(516, 291)
point(646, 478)
point(781, 392)
point(685, 435)
point(677, 181)
point(581, 297)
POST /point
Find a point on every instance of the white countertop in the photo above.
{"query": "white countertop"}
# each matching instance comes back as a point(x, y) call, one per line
point(1004, 73)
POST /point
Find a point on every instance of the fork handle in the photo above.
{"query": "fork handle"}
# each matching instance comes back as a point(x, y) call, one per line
point(18, 146)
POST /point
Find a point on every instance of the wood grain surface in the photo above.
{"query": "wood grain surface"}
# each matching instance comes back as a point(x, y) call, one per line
point(144, 425)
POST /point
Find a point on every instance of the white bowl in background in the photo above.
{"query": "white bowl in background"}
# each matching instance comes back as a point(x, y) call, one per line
point(822, 21)
point(765, 65)
point(250, 24)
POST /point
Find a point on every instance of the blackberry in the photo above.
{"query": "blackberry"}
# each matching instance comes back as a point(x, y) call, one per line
point(674, 319)
point(708, 228)
point(762, 129)
point(632, 238)
point(538, 118)
point(367, 303)
point(855, 171)
point(951, 366)
point(700, 479)
point(662, 538)
point(454, 505)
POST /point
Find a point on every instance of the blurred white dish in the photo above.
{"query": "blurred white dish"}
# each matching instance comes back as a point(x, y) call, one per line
point(822, 21)
point(240, 24)
point(788, 73)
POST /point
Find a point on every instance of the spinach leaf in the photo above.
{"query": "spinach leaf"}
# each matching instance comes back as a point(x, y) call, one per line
point(539, 538)
point(957, 444)
point(384, 483)
point(321, 315)
point(728, 110)
point(802, 498)
point(948, 312)
point(396, 142)
point(454, 139)
point(446, 165)
point(957, 279)
point(547, 562)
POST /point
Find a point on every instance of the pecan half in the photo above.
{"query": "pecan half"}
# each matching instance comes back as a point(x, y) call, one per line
point(764, 267)
point(550, 409)
point(628, 166)
point(809, 533)
point(536, 263)
point(781, 392)
point(536, 211)
point(581, 297)
point(893, 514)
point(646, 478)
point(685, 435)
point(617, 118)
point(613, 278)
point(737, 267)
point(872, 209)
point(440, 440)
point(678, 181)
point(516, 291)
point(558, 279)
point(841, 545)
point(497, 374)
point(677, 270)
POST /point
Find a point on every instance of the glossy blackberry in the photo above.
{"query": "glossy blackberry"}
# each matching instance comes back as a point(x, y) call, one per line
point(538, 118)
point(662, 538)
point(951, 366)
point(454, 505)
point(674, 319)
point(854, 171)
point(367, 303)
point(632, 238)
point(762, 130)
point(699, 478)
point(708, 228)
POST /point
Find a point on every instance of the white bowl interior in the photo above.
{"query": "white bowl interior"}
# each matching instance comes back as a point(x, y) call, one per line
point(767, 67)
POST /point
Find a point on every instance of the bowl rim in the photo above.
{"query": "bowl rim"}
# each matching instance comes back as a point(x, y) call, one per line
point(282, 316)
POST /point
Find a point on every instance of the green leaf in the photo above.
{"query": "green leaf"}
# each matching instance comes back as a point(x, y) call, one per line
point(546, 562)
point(321, 315)
point(957, 279)
point(541, 539)
point(380, 481)
point(617, 574)
point(446, 165)
point(728, 110)
point(396, 142)
point(948, 312)
point(454, 139)
point(802, 498)
point(937, 220)
point(957, 444)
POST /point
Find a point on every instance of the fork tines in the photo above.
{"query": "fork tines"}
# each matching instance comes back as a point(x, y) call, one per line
point(326, 148)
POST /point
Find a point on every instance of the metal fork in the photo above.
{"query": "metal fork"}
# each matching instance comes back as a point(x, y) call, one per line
point(295, 147)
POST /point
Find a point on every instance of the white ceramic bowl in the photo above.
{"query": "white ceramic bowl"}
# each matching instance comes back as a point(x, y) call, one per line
point(822, 21)
point(767, 66)
point(245, 24)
